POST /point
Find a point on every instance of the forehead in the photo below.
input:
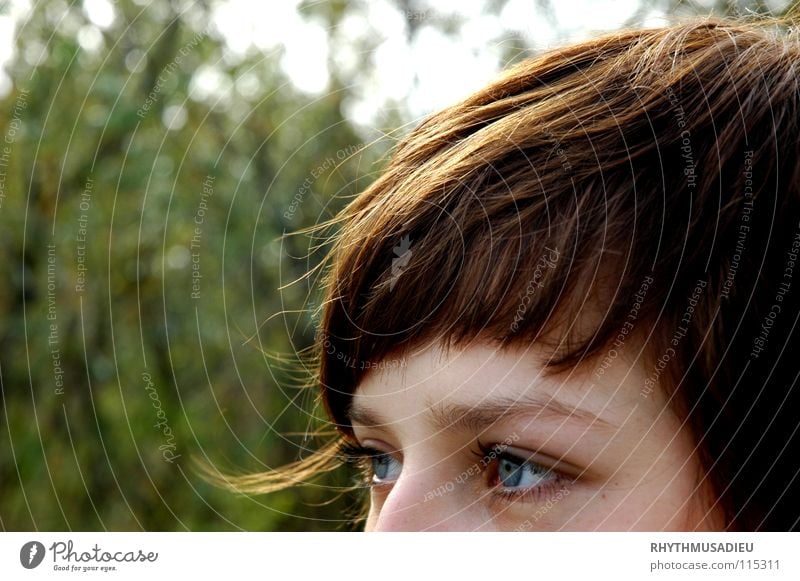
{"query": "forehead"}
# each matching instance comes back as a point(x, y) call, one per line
point(609, 388)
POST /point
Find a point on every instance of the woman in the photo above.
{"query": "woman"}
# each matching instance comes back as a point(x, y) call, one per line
point(569, 302)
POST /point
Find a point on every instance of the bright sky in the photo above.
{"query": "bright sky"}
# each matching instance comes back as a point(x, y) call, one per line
point(432, 71)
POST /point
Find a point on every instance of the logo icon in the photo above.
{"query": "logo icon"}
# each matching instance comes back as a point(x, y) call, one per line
point(31, 554)
point(403, 254)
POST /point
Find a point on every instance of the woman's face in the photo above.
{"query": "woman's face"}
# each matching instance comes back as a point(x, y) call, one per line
point(482, 440)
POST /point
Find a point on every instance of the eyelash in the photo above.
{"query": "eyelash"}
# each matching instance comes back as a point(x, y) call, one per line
point(358, 456)
point(354, 454)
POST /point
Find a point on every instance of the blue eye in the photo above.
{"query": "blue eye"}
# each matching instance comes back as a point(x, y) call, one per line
point(375, 466)
point(513, 472)
point(385, 468)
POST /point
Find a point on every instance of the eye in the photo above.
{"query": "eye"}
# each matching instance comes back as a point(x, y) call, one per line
point(376, 467)
point(385, 468)
point(513, 474)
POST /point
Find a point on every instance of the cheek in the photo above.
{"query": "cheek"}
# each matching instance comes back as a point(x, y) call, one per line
point(649, 509)
point(611, 508)
point(657, 494)
point(656, 486)
point(551, 514)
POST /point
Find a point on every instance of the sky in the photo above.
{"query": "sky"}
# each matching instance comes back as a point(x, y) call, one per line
point(435, 69)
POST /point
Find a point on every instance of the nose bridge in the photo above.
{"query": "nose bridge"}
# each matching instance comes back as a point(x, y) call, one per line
point(424, 500)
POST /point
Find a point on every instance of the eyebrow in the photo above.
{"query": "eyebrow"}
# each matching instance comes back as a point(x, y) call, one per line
point(477, 417)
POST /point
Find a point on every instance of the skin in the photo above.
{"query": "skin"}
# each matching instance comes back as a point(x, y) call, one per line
point(609, 457)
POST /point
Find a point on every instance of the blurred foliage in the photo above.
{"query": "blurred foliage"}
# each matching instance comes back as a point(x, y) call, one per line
point(92, 158)
point(120, 179)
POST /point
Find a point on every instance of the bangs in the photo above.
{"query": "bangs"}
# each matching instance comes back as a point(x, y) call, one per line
point(521, 252)
point(537, 210)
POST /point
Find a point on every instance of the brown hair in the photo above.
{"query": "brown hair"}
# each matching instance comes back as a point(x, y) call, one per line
point(664, 159)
